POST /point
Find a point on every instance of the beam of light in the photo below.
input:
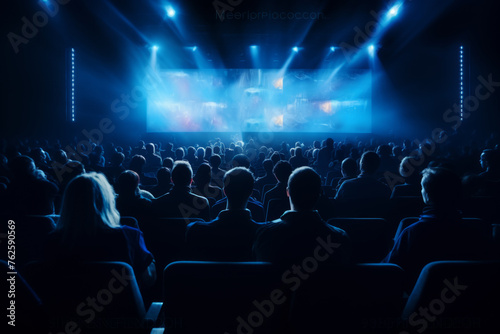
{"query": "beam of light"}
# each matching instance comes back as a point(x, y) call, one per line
point(295, 49)
point(254, 53)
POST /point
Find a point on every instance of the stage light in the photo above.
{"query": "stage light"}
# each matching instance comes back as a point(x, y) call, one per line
point(295, 49)
point(155, 47)
point(371, 49)
point(461, 82)
point(194, 48)
point(332, 48)
point(170, 11)
point(394, 10)
point(253, 47)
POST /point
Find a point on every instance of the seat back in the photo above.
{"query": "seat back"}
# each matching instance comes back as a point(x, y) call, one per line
point(217, 297)
point(265, 189)
point(371, 237)
point(473, 223)
point(405, 206)
point(460, 296)
point(362, 298)
point(362, 208)
point(88, 295)
point(165, 238)
point(276, 207)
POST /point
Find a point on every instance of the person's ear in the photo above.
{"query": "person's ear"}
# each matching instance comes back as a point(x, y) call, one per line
point(191, 182)
point(287, 192)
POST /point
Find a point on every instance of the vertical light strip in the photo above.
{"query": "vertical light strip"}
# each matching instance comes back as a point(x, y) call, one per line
point(72, 84)
point(462, 82)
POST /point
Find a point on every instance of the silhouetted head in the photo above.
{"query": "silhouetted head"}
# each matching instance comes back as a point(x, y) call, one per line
point(369, 163)
point(215, 161)
point(268, 166)
point(282, 171)
point(408, 170)
point(117, 159)
point(384, 150)
point(441, 187)
point(168, 162)
point(179, 153)
point(238, 186)
point(182, 174)
point(203, 174)
point(329, 143)
point(490, 159)
point(349, 168)
point(241, 160)
point(127, 183)
point(163, 176)
point(150, 148)
point(275, 157)
point(298, 152)
point(304, 188)
point(22, 167)
point(137, 163)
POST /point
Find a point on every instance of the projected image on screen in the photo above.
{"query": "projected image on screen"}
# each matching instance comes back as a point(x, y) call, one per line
point(252, 100)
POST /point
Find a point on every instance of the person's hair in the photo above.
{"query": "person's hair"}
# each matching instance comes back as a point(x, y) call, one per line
point(409, 171)
point(88, 205)
point(282, 171)
point(304, 187)
point(238, 185)
point(137, 163)
point(182, 174)
point(215, 160)
point(275, 157)
point(443, 187)
point(349, 167)
point(163, 175)
point(384, 150)
point(203, 175)
point(60, 156)
point(298, 152)
point(369, 163)
point(179, 153)
point(191, 151)
point(127, 183)
point(200, 153)
point(168, 162)
point(241, 160)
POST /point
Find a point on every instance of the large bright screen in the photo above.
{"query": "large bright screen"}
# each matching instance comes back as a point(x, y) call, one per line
point(251, 100)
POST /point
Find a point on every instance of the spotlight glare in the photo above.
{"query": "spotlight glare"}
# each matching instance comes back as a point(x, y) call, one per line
point(155, 47)
point(332, 48)
point(194, 48)
point(170, 11)
point(253, 47)
point(371, 49)
point(295, 49)
point(394, 10)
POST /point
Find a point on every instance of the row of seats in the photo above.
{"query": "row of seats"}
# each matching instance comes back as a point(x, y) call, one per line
point(256, 297)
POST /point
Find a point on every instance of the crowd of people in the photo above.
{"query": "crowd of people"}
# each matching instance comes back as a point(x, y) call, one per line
point(225, 193)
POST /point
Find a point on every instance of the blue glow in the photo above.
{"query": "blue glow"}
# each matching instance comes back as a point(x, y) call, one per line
point(72, 84)
point(371, 49)
point(170, 11)
point(461, 83)
point(394, 10)
point(253, 47)
point(295, 49)
point(332, 48)
point(194, 48)
point(155, 47)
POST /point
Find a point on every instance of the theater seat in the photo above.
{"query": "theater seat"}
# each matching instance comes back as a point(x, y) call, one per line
point(458, 297)
point(276, 207)
point(371, 237)
point(217, 297)
point(362, 298)
point(96, 297)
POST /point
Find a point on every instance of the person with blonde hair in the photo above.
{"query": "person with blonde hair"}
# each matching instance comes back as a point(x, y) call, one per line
point(89, 230)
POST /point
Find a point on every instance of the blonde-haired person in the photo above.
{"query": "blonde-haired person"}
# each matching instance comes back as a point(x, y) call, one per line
point(89, 230)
